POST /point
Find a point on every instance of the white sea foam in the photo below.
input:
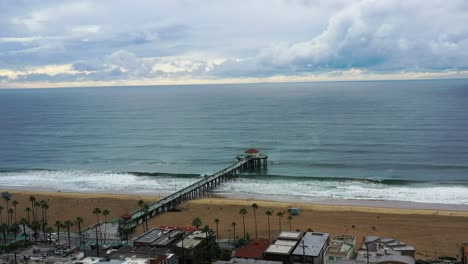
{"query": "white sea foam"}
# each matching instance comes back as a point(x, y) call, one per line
point(114, 182)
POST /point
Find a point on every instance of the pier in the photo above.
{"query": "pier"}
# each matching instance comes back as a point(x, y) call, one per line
point(249, 161)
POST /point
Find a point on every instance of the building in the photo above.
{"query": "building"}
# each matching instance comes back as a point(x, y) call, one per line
point(340, 247)
point(385, 250)
point(247, 261)
point(189, 249)
point(281, 251)
point(295, 236)
point(253, 250)
point(164, 237)
point(311, 248)
point(464, 253)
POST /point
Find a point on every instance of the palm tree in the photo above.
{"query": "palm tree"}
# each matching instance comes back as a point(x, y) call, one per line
point(217, 223)
point(280, 215)
point(78, 222)
point(255, 207)
point(197, 222)
point(105, 213)
point(269, 213)
point(97, 211)
point(234, 231)
point(243, 212)
point(10, 213)
point(4, 229)
point(290, 218)
point(28, 210)
point(7, 200)
point(35, 225)
point(58, 224)
point(1, 214)
point(15, 203)
point(36, 207)
point(24, 222)
point(32, 199)
point(68, 224)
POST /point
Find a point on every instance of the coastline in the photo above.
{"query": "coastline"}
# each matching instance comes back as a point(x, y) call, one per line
point(432, 232)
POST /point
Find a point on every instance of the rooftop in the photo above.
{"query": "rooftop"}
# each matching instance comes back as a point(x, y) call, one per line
point(341, 245)
point(314, 243)
point(248, 261)
point(290, 235)
point(279, 249)
point(252, 151)
point(192, 240)
point(138, 252)
point(253, 250)
point(149, 236)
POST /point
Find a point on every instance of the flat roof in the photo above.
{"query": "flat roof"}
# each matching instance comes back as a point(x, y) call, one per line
point(314, 243)
point(290, 235)
point(248, 261)
point(192, 240)
point(167, 238)
point(279, 249)
point(282, 242)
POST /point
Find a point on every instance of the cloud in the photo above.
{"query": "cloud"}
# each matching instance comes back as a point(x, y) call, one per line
point(105, 41)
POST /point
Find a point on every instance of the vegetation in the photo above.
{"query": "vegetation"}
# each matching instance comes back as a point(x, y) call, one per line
point(269, 213)
point(197, 222)
point(217, 224)
point(280, 215)
point(243, 212)
point(255, 207)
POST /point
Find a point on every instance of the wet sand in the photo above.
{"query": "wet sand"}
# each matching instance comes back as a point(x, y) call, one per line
point(432, 232)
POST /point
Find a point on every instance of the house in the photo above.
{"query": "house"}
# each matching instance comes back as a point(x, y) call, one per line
point(464, 253)
point(190, 248)
point(281, 251)
point(385, 250)
point(340, 247)
point(311, 248)
point(247, 261)
point(253, 250)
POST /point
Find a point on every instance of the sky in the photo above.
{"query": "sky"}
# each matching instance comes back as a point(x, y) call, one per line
point(52, 43)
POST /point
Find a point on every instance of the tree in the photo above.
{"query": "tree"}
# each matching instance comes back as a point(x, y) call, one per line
point(290, 218)
point(28, 211)
point(15, 228)
point(269, 213)
point(68, 224)
point(1, 214)
point(24, 222)
point(49, 231)
point(32, 199)
point(217, 224)
point(280, 215)
point(243, 212)
point(7, 201)
point(15, 203)
point(255, 207)
point(197, 222)
point(10, 214)
point(234, 231)
point(4, 230)
point(58, 225)
point(36, 207)
point(78, 222)
point(35, 225)
point(97, 211)
point(105, 213)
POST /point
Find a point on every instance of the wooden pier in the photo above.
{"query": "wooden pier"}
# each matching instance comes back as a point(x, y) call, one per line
point(251, 160)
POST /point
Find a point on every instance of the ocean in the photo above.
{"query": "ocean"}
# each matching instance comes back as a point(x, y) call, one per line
point(375, 140)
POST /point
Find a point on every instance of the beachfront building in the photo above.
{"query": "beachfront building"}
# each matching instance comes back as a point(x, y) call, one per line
point(190, 249)
point(340, 247)
point(160, 238)
point(385, 250)
point(253, 250)
point(464, 253)
point(282, 248)
point(311, 248)
point(247, 261)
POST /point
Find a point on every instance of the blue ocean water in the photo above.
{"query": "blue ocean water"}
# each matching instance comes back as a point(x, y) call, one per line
point(385, 140)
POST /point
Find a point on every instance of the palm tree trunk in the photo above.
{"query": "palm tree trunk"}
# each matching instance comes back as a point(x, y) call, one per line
point(243, 223)
point(255, 219)
point(269, 230)
point(69, 241)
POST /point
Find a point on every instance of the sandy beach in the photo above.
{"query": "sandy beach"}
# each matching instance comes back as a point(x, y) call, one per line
point(432, 232)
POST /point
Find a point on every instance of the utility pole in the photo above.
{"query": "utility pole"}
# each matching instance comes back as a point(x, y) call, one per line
point(303, 246)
